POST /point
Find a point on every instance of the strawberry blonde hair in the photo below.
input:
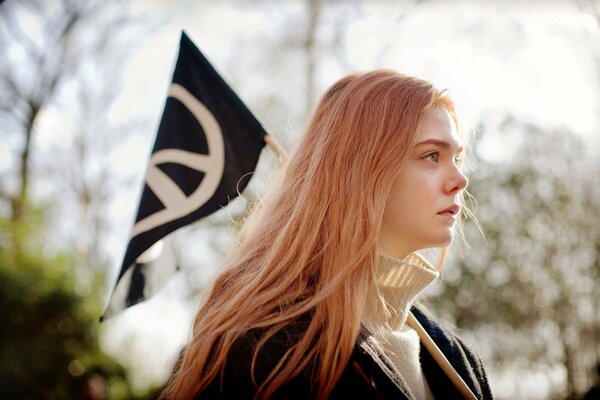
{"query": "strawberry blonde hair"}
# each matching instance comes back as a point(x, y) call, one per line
point(312, 246)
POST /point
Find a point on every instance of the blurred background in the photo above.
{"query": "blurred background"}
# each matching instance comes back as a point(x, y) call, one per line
point(82, 87)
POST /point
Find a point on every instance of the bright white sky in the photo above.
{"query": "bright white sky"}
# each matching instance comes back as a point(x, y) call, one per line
point(534, 61)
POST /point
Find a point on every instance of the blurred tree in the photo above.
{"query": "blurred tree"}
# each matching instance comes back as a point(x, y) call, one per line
point(530, 288)
point(290, 53)
point(55, 54)
point(48, 332)
point(59, 78)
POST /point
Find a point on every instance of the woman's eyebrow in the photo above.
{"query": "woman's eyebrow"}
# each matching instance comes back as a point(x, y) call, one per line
point(440, 143)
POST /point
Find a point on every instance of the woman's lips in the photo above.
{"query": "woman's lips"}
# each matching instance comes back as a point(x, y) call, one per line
point(450, 212)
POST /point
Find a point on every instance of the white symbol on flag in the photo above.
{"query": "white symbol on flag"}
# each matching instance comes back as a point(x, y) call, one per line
point(177, 203)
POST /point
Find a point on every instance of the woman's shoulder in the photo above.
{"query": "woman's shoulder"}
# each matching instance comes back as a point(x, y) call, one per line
point(251, 359)
point(444, 335)
point(271, 349)
point(462, 356)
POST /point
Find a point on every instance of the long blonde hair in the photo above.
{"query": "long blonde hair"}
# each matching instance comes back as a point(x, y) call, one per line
point(312, 246)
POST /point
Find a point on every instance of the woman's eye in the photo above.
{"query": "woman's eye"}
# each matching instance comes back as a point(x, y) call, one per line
point(433, 156)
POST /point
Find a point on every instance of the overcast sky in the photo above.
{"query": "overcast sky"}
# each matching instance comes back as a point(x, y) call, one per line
point(531, 58)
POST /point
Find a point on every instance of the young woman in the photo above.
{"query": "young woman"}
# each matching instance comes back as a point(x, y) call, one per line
point(315, 301)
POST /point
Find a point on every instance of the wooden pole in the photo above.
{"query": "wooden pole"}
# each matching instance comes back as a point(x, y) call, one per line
point(273, 145)
point(440, 358)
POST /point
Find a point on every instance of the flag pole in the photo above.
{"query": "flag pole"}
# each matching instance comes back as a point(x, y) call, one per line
point(441, 359)
point(276, 148)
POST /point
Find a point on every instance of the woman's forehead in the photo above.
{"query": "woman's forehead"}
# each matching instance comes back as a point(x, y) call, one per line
point(438, 125)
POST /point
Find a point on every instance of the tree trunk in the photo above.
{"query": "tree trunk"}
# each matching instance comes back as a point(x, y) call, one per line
point(20, 202)
point(314, 8)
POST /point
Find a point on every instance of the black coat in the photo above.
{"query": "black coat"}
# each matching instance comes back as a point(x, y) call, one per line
point(368, 375)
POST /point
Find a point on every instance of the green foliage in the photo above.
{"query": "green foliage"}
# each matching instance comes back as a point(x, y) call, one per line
point(48, 332)
point(530, 287)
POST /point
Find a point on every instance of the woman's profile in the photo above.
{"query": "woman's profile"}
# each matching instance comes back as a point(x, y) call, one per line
point(318, 299)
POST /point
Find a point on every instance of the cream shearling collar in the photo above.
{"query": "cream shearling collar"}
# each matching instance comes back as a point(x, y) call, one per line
point(398, 282)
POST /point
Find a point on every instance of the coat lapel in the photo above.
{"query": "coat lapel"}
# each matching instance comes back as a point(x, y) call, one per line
point(452, 348)
point(371, 348)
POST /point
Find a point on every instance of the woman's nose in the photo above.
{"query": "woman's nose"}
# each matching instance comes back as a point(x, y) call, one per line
point(457, 182)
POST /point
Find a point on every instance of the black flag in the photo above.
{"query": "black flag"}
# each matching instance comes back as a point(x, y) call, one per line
point(207, 144)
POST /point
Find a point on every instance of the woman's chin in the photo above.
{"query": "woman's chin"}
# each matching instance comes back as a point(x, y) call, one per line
point(444, 239)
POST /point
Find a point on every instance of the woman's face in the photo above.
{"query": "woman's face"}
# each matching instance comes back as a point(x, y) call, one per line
point(422, 206)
